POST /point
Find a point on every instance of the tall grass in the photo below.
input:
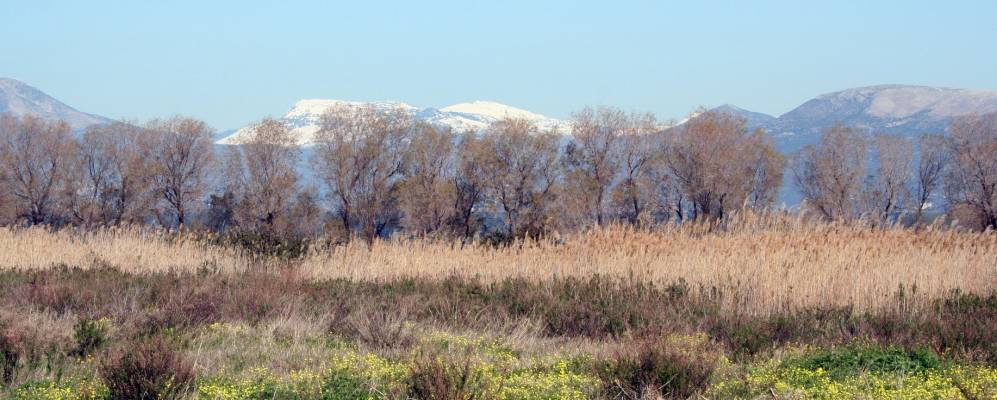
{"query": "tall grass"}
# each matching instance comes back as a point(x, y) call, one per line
point(763, 264)
point(134, 250)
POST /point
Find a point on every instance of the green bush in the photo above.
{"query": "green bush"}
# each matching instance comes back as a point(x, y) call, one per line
point(854, 359)
point(267, 244)
point(91, 335)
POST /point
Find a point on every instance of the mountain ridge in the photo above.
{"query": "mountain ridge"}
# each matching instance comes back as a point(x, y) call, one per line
point(892, 109)
point(303, 118)
point(19, 98)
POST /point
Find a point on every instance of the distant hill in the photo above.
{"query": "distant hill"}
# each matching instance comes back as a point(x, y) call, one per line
point(19, 98)
point(894, 109)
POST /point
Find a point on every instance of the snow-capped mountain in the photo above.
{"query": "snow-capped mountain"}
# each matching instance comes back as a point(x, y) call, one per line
point(889, 108)
point(893, 109)
point(19, 98)
point(303, 118)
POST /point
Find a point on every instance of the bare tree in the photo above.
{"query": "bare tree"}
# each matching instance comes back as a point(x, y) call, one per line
point(666, 195)
point(721, 166)
point(110, 182)
point(830, 173)
point(520, 165)
point(222, 210)
point(93, 178)
point(591, 163)
point(8, 211)
point(641, 153)
point(427, 194)
point(469, 183)
point(35, 156)
point(270, 155)
point(767, 166)
point(133, 196)
point(180, 152)
point(233, 171)
point(887, 190)
point(360, 157)
point(972, 178)
point(306, 212)
point(932, 159)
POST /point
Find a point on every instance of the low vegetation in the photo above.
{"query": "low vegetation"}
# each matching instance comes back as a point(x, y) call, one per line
point(770, 307)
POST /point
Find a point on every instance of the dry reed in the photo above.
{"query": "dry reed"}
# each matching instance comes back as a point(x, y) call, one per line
point(760, 264)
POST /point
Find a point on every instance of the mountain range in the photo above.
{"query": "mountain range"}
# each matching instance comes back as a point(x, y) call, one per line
point(303, 118)
point(894, 109)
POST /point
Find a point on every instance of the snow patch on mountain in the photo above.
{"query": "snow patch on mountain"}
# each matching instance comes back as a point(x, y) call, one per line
point(303, 119)
point(491, 109)
point(312, 107)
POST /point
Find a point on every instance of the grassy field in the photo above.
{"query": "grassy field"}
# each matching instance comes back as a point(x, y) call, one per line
point(771, 307)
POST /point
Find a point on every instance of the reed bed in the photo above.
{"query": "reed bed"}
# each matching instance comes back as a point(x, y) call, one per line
point(133, 250)
point(759, 264)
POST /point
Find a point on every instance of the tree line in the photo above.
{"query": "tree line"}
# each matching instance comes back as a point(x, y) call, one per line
point(381, 173)
point(849, 174)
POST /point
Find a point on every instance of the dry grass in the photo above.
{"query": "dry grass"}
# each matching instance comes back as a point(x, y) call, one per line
point(764, 264)
point(131, 249)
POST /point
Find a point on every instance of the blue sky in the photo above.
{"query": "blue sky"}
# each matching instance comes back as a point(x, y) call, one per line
point(231, 62)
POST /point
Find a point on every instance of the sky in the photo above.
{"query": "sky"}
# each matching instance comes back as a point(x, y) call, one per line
point(233, 62)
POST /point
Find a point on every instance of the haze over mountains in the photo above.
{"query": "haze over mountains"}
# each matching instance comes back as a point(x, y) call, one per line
point(895, 109)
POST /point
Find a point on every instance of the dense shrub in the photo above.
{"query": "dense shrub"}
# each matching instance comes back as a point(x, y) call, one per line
point(149, 369)
point(260, 243)
point(91, 335)
point(10, 355)
point(850, 360)
point(677, 367)
point(435, 378)
point(377, 325)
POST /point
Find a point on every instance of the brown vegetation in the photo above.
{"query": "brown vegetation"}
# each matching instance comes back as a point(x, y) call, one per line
point(721, 166)
point(180, 153)
point(770, 262)
point(380, 174)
